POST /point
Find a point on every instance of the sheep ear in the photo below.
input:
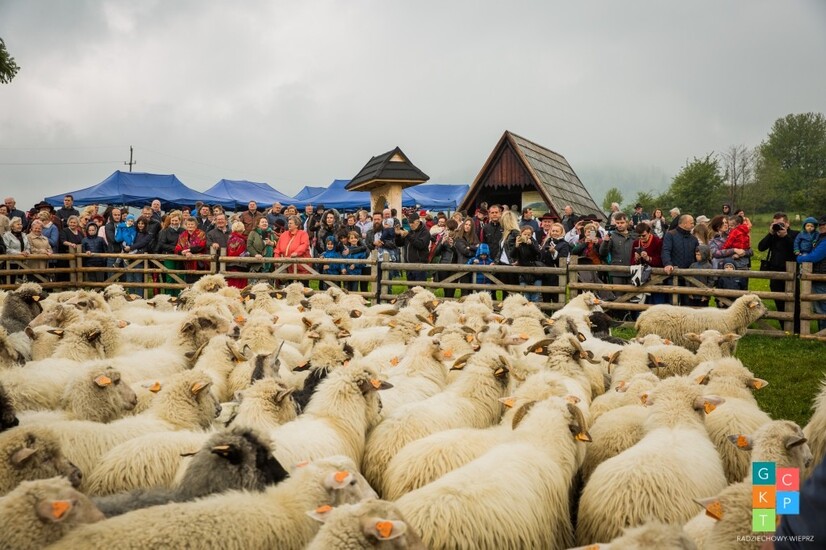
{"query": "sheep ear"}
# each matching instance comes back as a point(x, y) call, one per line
point(283, 394)
point(435, 330)
point(192, 356)
point(94, 335)
point(578, 425)
point(646, 400)
point(541, 347)
point(155, 387)
point(547, 322)
point(30, 332)
point(692, 337)
point(338, 480)
point(228, 451)
point(344, 333)
point(356, 313)
point(320, 514)
point(794, 441)
point(374, 384)
point(712, 506)
point(741, 441)
point(307, 323)
point(703, 379)
point(187, 327)
point(731, 337)
point(173, 300)
point(708, 403)
point(53, 510)
point(460, 362)
point(199, 387)
point(102, 381)
point(520, 413)
point(654, 362)
point(302, 368)
point(384, 529)
point(758, 383)
point(467, 329)
point(22, 455)
point(305, 304)
point(59, 332)
point(508, 402)
point(622, 386)
point(348, 350)
point(426, 320)
point(123, 324)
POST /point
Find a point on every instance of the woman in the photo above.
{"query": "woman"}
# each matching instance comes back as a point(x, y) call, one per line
point(526, 253)
point(70, 238)
point(588, 249)
point(260, 245)
point(510, 231)
point(294, 243)
point(719, 226)
point(555, 253)
point(444, 249)
point(167, 241)
point(39, 244)
point(465, 244)
point(658, 224)
point(329, 226)
point(49, 230)
point(237, 247)
point(364, 223)
point(192, 241)
point(141, 244)
point(15, 240)
point(91, 244)
point(703, 233)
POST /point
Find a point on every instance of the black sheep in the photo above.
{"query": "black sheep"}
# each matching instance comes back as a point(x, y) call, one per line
point(7, 417)
point(21, 306)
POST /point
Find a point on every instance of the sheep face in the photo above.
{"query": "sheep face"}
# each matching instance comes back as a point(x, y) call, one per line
point(8, 354)
point(340, 477)
point(779, 441)
point(236, 459)
point(367, 524)
point(57, 316)
point(203, 324)
point(33, 453)
point(8, 419)
point(187, 402)
point(100, 396)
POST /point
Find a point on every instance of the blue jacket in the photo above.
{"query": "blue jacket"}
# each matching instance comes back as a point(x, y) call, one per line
point(95, 245)
point(358, 252)
point(678, 248)
point(482, 250)
point(805, 242)
point(332, 268)
point(817, 256)
point(124, 234)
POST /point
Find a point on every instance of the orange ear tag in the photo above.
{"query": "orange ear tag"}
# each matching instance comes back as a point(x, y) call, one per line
point(469, 338)
point(644, 399)
point(742, 442)
point(323, 509)
point(59, 508)
point(715, 510)
point(302, 464)
point(509, 402)
point(155, 388)
point(103, 381)
point(122, 324)
point(375, 383)
point(341, 476)
point(448, 353)
point(708, 407)
point(394, 361)
point(523, 335)
point(384, 528)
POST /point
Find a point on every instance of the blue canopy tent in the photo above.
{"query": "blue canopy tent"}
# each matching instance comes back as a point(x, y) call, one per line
point(139, 189)
point(435, 195)
point(241, 192)
point(308, 193)
point(336, 196)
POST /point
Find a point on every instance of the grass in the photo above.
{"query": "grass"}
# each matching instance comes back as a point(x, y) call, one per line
point(792, 367)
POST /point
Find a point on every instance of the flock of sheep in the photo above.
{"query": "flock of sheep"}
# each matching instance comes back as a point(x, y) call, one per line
point(285, 419)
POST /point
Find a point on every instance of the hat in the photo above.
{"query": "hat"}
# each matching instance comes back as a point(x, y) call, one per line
point(330, 239)
point(483, 211)
point(728, 261)
point(130, 217)
point(548, 216)
point(702, 219)
point(422, 213)
point(43, 204)
point(821, 220)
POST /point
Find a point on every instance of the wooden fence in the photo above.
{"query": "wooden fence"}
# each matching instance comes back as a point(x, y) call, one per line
point(166, 273)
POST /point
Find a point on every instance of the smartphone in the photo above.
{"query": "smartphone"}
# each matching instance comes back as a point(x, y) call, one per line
point(592, 234)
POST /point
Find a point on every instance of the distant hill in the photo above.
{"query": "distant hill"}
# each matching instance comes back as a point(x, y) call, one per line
point(598, 179)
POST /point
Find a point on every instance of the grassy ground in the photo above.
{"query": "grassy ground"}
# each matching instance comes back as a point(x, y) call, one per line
point(792, 367)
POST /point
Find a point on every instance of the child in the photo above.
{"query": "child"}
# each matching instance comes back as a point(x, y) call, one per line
point(331, 268)
point(730, 283)
point(354, 250)
point(125, 232)
point(93, 244)
point(481, 258)
point(526, 254)
point(805, 240)
point(703, 261)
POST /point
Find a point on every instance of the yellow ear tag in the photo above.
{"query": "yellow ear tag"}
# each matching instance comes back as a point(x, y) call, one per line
point(583, 436)
point(509, 402)
point(523, 335)
point(742, 442)
point(394, 361)
point(59, 508)
point(708, 407)
point(384, 528)
point(103, 381)
point(341, 476)
point(240, 320)
point(447, 354)
point(469, 338)
point(36, 298)
point(715, 510)
point(375, 383)
point(323, 509)
point(155, 388)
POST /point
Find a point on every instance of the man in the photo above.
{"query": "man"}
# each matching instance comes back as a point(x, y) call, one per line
point(307, 214)
point(648, 249)
point(157, 215)
point(779, 245)
point(544, 232)
point(528, 219)
point(679, 246)
point(14, 212)
point(250, 217)
point(675, 219)
point(67, 210)
point(492, 233)
point(615, 210)
point(217, 236)
point(569, 219)
point(618, 245)
point(818, 259)
point(479, 220)
point(153, 227)
point(638, 215)
point(416, 246)
point(275, 214)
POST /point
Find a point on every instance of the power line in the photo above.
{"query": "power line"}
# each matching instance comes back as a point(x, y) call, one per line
point(55, 163)
point(57, 148)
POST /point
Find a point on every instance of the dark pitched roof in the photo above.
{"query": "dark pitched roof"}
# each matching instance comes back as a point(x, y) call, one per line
point(391, 166)
point(553, 177)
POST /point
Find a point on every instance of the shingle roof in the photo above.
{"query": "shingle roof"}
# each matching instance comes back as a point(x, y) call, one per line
point(390, 166)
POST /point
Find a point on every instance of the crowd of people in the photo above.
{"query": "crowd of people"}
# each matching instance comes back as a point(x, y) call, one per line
point(492, 235)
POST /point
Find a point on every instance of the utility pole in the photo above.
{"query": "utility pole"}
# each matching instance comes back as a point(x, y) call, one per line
point(131, 162)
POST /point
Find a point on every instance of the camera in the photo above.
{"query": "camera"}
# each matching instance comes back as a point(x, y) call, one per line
point(639, 250)
point(778, 227)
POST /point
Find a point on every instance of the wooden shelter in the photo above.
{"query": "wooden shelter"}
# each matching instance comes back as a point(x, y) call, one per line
point(385, 176)
point(523, 173)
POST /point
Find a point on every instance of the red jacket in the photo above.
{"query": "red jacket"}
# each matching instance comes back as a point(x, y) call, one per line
point(654, 249)
point(289, 245)
point(738, 238)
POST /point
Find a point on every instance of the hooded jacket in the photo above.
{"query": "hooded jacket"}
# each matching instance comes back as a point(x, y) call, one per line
point(804, 242)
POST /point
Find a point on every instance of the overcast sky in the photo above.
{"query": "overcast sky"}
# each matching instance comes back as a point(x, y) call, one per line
point(296, 93)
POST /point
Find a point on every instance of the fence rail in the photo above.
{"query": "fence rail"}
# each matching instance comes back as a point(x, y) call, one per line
point(167, 273)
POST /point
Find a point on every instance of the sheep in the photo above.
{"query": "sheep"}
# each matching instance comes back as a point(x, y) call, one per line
point(265, 405)
point(38, 513)
point(235, 459)
point(96, 395)
point(815, 430)
point(364, 525)
point(425, 460)
point(344, 409)
point(28, 453)
point(21, 306)
point(470, 401)
point(652, 535)
point(11, 354)
point(217, 360)
point(658, 477)
point(528, 479)
point(674, 322)
point(567, 356)
point(8, 418)
point(579, 308)
point(613, 432)
point(730, 513)
point(184, 403)
point(236, 520)
point(418, 375)
point(678, 361)
point(740, 413)
point(626, 392)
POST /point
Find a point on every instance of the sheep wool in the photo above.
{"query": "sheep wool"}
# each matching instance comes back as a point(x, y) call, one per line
point(32, 453)
point(815, 430)
point(364, 525)
point(8, 418)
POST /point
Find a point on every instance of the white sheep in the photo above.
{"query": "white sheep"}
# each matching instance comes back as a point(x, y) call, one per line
point(419, 374)
point(10, 353)
point(674, 322)
point(815, 430)
point(38, 513)
point(658, 477)
point(364, 525)
point(625, 392)
point(652, 535)
point(34, 452)
point(612, 433)
point(517, 495)
point(235, 520)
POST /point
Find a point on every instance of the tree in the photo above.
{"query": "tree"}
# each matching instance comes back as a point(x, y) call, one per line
point(792, 164)
point(611, 196)
point(739, 162)
point(698, 187)
point(8, 68)
point(648, 201)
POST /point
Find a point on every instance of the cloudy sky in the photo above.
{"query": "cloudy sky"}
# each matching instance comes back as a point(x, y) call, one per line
point(297, 93)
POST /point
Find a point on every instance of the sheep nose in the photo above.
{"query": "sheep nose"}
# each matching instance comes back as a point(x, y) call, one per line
point(217, 410)
point(14, 422)
point(236, 332)
point(75, 476)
